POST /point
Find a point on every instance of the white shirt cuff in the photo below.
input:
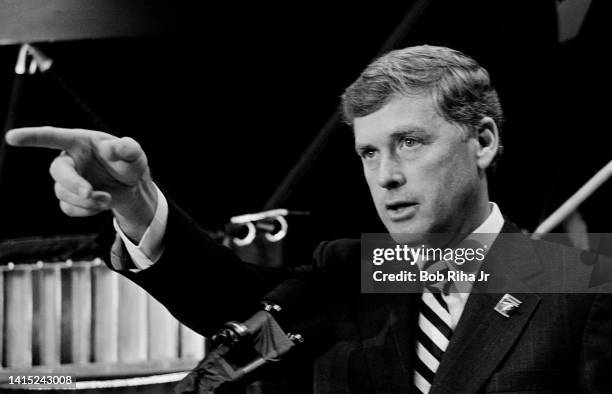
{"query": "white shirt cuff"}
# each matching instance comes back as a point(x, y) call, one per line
point(151, 246)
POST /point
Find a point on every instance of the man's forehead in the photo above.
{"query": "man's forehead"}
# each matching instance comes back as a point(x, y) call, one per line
point(402, 113)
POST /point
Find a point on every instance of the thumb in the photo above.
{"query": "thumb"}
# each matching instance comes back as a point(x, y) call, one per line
point(124, 157)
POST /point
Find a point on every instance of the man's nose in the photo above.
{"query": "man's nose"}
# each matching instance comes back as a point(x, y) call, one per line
point(390, 174)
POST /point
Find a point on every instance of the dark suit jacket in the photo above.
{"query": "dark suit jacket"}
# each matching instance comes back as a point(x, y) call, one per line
point(552, 343)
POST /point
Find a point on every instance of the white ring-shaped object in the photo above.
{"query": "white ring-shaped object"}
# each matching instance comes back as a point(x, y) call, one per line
point(280, 234)
point(249, 237)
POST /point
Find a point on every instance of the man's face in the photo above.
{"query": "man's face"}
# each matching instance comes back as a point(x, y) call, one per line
point(421, 170)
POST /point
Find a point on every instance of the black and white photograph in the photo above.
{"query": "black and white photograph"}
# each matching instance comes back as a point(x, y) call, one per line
point(305, 197)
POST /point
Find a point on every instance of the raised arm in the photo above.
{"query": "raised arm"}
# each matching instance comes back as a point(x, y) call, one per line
point(201, 282)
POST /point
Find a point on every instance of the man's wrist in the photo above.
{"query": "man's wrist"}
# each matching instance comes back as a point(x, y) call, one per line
point(135, 216)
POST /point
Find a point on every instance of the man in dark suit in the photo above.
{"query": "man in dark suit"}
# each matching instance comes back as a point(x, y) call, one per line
point(426, 125)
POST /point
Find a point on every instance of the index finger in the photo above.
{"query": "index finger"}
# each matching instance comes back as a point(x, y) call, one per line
point(44, 137)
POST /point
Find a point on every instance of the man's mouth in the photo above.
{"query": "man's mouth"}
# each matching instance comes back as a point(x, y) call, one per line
point(400, 210)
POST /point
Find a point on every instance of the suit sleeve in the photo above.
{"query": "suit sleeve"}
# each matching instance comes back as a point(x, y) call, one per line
point(201, 283)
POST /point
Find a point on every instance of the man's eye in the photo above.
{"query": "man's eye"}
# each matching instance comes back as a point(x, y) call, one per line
point(368, 154)
point(409, 143)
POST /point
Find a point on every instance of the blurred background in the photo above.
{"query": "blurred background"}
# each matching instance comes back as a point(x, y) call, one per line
point(226, 97)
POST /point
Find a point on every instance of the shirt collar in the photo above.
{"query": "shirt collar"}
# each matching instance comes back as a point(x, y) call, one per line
point(485, 235)
point(493, 223)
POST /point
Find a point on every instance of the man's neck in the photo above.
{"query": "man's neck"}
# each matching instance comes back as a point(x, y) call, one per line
point(468, 227)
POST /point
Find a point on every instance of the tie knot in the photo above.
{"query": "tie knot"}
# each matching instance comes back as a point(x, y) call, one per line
point(437, 278)
point(433, 266)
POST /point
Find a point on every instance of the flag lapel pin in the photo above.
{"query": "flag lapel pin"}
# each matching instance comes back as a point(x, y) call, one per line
point(507, 305)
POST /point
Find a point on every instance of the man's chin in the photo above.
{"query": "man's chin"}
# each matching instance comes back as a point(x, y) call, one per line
point(418, 235)
point(409, 238)
point(408, 234)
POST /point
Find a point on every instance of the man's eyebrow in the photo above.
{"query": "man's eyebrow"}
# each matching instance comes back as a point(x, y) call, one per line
point(359, 148)
point(407, 131)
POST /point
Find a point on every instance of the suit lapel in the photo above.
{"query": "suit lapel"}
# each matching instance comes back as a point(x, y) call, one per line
point(480, 342)
point(483, 336)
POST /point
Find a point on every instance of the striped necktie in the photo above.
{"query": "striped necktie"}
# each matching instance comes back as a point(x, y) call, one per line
point(434, 329)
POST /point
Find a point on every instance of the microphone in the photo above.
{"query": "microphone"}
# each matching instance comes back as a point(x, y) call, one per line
point(284, 304)
point(239, 349)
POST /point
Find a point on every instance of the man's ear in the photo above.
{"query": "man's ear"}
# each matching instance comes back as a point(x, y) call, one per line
point(487, 138)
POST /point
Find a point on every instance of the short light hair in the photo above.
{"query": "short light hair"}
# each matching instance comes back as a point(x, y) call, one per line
point(460, 87)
